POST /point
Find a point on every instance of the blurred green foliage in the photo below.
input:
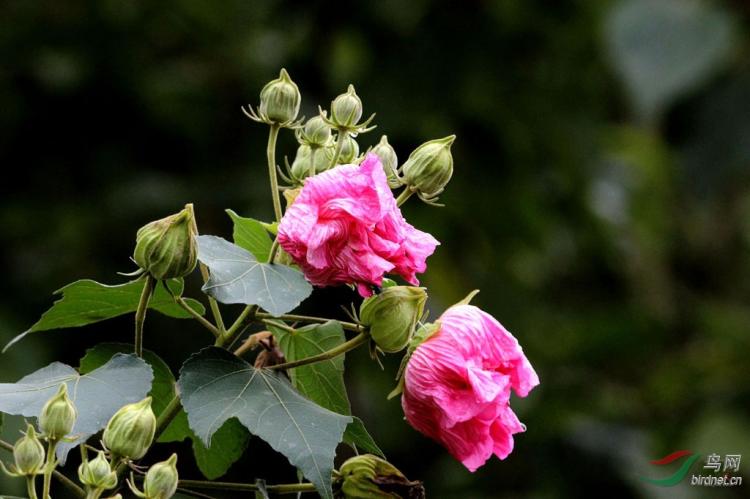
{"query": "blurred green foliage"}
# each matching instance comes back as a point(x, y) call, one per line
point(601, 198)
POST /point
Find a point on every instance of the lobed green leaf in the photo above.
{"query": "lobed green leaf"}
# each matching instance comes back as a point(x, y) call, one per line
point(86, 302)
point(238, 277)
point(216, 386)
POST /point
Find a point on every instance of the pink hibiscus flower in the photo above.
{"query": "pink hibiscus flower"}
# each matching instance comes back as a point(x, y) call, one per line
point(345, 228)
point(457, 386)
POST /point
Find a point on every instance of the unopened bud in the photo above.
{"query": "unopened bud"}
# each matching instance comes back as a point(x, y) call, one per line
point(58, 415)
point(28, 454)
point(367, 476)
point(130, 432)
point(166, 248)
point(392, 316)
point(280, 100)
point(389, 160)
point(429, 167)
point(346, 109)
point(349, 150)
point(315, 133)
point(301, 166)
point(161, 479)
point(97, 474)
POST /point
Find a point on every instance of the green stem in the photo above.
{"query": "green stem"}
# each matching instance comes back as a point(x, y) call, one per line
point(273, 134)
point(204, 322)
point(330, 354)
point(313, 150)
point(31, 486)
point(140, 314)
point(214, 305)
point(49, 467)
point(274, 251)
point(94, 493)
point(405, 194)
point(349, 326)
point(72, 487)
point(285, 488)
point(167, 415)
point(248, 313)
point(343, 134)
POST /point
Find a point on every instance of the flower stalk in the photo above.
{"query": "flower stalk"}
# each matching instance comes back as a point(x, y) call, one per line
point(140, 313)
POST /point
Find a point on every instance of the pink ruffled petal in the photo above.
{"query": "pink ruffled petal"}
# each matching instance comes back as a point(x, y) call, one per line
point(457, 386)
point(345, 228)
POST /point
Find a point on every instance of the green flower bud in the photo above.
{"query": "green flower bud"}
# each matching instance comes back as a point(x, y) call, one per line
point(349, 151)
point(300, 168)
point(429, 167)
point(58, 415)
point(29, 454)
point(97, 474)
point(280, 100)
point(346, 109)
point(315, 133)
point(166, 248)
point(392, 316)
point(161, 479)
point(389, 160)
point(130, 432)
point(367, 476)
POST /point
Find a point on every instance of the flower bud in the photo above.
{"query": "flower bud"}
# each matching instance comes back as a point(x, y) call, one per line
point(161, 479)
point(392, 316)
point(58, 415)
point(29, 454)
point(97, 474)
point(349, 150)
point(130, 432)
point(316, 132)
point(389, 160)
point(301, 165)
point(367, 476)
point(280, 100)
point(166, 248)
point(346, 109)
point(429, 167)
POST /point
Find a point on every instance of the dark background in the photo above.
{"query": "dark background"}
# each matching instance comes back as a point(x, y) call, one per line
point(600, 199)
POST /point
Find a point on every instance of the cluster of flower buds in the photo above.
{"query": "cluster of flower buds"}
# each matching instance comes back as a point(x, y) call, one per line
point(392, 316)
point(279, 105)
point(166, 248)
point(130, 432)
point(160, 482)
point(28, 455)
point(97, 475)
point(367, 476)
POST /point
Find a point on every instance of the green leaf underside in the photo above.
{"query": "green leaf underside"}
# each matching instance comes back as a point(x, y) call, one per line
point(238, 277)
point(227, 445)
point(250, 234)
point(323, 382)
point(216, 386)
point(163, 385)
point(85, 302)
point(97, 395)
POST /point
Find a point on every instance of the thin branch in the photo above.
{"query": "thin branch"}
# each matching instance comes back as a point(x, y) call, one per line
point(284, 488)
point(350, 326)
point(204, 322)
point(330, 354)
